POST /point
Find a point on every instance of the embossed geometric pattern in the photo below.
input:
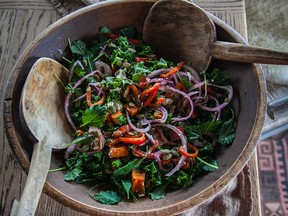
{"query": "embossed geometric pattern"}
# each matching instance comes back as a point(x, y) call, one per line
point(266, 160)
point(273, 166)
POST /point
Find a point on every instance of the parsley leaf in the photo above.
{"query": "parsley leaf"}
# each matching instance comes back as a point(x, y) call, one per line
point(158, 192)
point(127, 186)
point(137, 70)
point(107, 197)
point(129, 32)
point(94, 116)
point(179, 179)
point(78, 47)
point(227, 132)
point(72, 174)
point(134, 164)
point(197, 131)
point(154, 174)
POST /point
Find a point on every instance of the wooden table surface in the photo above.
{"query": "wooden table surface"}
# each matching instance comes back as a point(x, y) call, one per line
point(20, 22)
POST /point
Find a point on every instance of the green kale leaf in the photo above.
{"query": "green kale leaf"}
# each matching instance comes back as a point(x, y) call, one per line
point(197, 131)
point(137, 70)
point(72, 174)
point(209, 164)
point(94, 116)
point(179, 179)
point(153, 174)
point(158, 192)
point(129, 32)
point(78, 47)
point(227, 132)
point(107, 197)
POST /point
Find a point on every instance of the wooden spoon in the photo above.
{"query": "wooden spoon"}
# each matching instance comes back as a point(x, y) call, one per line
point(42, 107)
point(182, 31)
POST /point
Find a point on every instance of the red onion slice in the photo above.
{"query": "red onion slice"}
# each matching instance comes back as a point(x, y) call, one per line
point(184, 144)
point(191, 78)
point(185, 96)
point(139, 130)
point(69, 151)
point(229, 89)
point(71, 71)
point(68, 96)
point(150, 138)
point(158, 72)
point(103, 67)
point(100, 135)
point(157, 156)
point(178, 166)
point(192, 71)
point(145, 121)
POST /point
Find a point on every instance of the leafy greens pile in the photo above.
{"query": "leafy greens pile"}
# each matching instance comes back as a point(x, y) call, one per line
point(143, 125)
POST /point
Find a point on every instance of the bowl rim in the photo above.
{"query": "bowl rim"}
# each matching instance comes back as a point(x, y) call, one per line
point(182, 206)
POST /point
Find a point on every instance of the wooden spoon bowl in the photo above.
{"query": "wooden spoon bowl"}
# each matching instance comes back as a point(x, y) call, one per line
point(45, 122)
point(182, 29)
point(249, 104)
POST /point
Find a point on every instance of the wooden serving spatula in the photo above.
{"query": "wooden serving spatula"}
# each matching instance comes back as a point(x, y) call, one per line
point(42, 109)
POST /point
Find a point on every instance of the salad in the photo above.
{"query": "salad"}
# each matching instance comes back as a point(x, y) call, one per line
point(143, 125)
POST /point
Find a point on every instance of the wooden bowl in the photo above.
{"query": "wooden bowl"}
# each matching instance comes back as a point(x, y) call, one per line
point(249, 103)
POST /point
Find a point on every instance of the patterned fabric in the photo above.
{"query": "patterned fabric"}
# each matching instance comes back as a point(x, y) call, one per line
point(273, 166)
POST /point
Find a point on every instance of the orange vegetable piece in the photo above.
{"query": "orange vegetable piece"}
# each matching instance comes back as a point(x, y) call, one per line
point(89, 102)
point(143, 84)
point(132, 88)
point(181, 86)
point(118, 152)
point(187, 154)
point(166, 162)
point(157, 115)
point(158, 102)
point(108, 117)
point(114, 117)
point(186, 166)
point(132, 110)
point(138, 182)
point(173, 70)
point(121, 131)
point(79, 132)
point(113, 142)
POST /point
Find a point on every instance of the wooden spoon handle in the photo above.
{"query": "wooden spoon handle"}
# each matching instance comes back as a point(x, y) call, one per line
point(277, 108)
point(249, 54)
point(38, 171)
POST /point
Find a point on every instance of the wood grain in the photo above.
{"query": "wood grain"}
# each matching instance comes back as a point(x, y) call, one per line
point(20, 22)
point(18, 28)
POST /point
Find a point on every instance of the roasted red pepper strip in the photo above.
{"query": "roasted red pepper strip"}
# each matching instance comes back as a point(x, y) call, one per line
point(122, 131)
point(187, 154)
point(111, 36)
point(143, 83)
point(136, 140)
point(132, 88)
point(148, 155)
point(115, 37)
point(181, 86)
point(113, 142)
point(141, 59)
point(134, 41)
point(158, 102)
point(173, 70)
point(152, 93)
point(88, 99)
